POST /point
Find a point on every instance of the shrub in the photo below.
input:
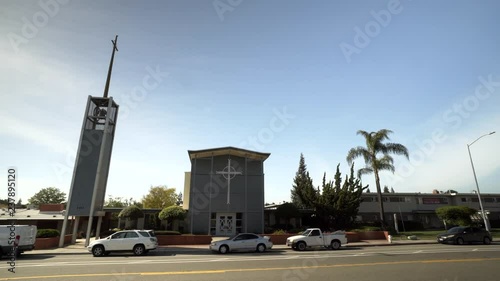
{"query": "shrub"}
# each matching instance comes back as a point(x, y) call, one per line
point(279, 231)
point(167, 232)
point(295, 230)
point(131, 212)
point(47, 233)
point(172, 213)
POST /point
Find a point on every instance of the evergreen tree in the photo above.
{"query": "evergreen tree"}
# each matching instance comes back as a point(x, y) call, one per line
point(392, 190)
point(303, 192)
point(337, 203)
point(386, 189)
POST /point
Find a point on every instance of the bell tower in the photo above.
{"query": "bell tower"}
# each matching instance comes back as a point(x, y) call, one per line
point(93, 158)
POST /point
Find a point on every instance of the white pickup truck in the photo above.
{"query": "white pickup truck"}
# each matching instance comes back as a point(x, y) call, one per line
point(314, 237)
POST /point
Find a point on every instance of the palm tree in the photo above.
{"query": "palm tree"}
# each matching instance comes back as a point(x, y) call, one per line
point(375, 146)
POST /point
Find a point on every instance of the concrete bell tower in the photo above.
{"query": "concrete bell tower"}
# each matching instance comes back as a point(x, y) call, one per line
point(93, 158)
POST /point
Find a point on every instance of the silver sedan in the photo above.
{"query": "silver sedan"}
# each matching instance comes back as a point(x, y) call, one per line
point(244, 242)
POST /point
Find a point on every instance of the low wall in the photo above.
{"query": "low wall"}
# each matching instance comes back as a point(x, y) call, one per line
point(184, 239)
point(352, 237)
point(373, 235)
point(279, 239)
point(52, 242)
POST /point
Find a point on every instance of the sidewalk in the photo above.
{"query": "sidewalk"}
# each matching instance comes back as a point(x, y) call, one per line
point(79, 247)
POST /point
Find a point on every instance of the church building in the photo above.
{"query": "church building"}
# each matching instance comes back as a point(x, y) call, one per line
point(224, 191)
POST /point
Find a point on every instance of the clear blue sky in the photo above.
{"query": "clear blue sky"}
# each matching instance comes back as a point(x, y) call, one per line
point(224, 71)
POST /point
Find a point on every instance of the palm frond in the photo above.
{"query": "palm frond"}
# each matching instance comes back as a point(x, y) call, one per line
point(357, 152)
point(396, 148)
point(382, 135)
point(364, 171)
point(385, 167)
point(386, 159)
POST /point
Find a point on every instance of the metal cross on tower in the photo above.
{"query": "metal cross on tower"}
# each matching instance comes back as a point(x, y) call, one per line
point(228, 172)
point(110, 66)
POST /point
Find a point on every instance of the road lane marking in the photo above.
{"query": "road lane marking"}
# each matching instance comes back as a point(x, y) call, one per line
point(417, 252)
point(218, 271)
point(474, 250)
point(107, 262)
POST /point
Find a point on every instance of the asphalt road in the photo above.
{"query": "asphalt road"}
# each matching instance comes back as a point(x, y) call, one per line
point(395, 263)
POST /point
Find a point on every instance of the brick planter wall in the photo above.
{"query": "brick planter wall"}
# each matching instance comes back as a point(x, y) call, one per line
point(184, 239)
point(373, 235)
point(279, 239)
point(352, 237)
point(52, 242)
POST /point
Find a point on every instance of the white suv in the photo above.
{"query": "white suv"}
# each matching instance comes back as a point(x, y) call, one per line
point(138, 241)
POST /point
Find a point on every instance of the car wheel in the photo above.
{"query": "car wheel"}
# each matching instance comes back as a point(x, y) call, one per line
point(487, 240)
point(98, 251)
point(460, 241)
point(139, 250)
point(335, 244)
point(261, 248)
point(301, 246)
point(223, 249)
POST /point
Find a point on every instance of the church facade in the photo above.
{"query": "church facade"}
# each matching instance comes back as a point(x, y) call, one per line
point(224, 191)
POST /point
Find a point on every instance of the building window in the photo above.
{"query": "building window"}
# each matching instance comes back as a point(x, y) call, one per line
point(489, 200)
point(395, 199)
point(407, 199)
point(434, 200)
point(498, 200)
point(463, 199)
point(213, 223)
point(475, 200)
point(239, 222)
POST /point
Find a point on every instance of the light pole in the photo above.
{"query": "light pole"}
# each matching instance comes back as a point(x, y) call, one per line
point(486, 224)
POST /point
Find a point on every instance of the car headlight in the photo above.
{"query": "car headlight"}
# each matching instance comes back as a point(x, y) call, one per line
point(212, 244)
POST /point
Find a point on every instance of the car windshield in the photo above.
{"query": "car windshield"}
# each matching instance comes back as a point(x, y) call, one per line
point(456, 229)
point(306, 233)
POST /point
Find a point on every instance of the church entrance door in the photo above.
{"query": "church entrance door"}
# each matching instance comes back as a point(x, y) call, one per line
point(226, 224)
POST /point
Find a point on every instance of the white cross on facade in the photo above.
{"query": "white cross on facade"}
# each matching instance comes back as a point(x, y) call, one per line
point(228, 172)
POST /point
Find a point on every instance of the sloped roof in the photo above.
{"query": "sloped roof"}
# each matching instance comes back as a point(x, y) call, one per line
point(228, 150)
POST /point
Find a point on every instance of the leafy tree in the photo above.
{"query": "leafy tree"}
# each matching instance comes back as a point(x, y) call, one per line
point(386, 189)
point(302, 190)
point(287, 211)
point(373, 163)
point(49, 195)
point(119, 202)
point(456, 215)
point(159, 197)
point(172, 213)
point(131, 212)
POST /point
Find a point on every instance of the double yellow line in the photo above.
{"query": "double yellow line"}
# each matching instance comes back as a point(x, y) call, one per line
point(247, 269)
